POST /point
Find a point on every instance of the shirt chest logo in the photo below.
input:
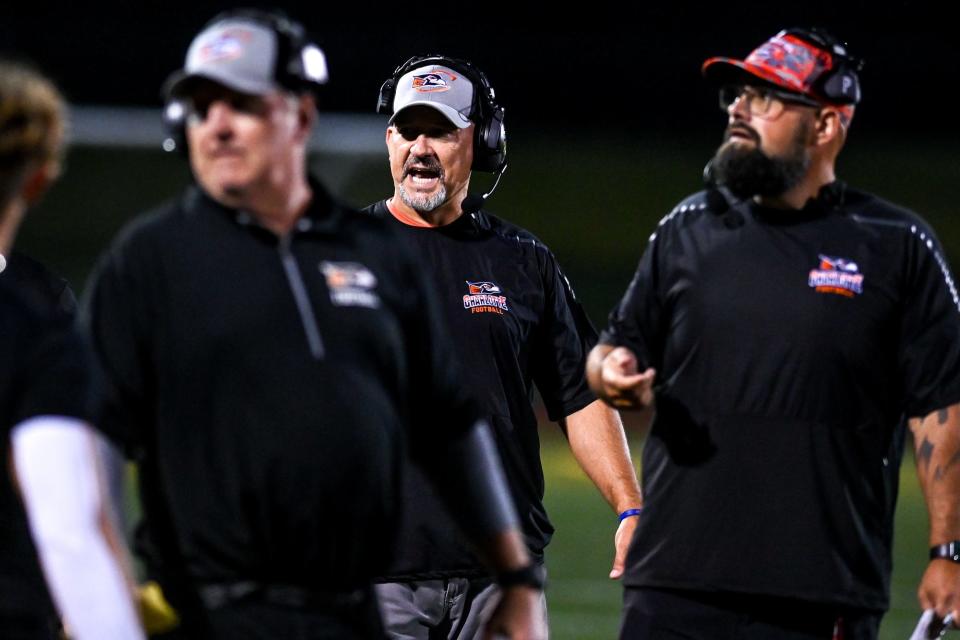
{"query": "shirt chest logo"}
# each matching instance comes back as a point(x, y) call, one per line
point(351, 284)
point(485, 297)
point(836, 275)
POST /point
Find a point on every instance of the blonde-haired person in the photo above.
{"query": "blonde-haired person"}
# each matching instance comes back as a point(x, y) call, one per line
point(51, 498)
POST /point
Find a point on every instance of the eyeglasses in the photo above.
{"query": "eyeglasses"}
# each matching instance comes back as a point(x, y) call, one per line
point(762, 102)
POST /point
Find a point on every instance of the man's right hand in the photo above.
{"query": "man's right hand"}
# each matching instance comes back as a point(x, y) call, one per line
point(613, 376)
point(520, 615)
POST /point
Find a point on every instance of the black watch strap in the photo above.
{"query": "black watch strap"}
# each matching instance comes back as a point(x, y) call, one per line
point(949, 551)
point(532, 575)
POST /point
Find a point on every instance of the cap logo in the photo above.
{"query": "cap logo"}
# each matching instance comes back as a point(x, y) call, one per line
point(433, 82)
point(793, 60)
point(225, 46)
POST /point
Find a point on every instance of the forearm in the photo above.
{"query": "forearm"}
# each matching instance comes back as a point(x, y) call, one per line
point(598, 443)
point(54, 463)
point(937, 440)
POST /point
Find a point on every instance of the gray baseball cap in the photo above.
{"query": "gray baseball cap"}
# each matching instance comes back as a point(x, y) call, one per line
point(442, 88)
point(241, 54)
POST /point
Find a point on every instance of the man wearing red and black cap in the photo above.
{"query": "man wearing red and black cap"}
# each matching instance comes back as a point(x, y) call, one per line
point(789, 329)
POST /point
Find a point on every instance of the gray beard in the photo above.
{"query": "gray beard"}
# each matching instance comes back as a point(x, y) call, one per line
point(424, 204)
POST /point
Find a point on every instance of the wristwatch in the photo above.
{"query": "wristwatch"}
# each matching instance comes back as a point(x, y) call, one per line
point(532, 575)
point(949, 551)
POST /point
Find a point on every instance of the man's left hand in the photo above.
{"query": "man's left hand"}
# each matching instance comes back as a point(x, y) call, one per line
point(940, 588)
point(621, 542)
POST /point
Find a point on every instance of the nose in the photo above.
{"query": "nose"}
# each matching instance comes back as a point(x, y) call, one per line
point(421, 146)
point(219, 118)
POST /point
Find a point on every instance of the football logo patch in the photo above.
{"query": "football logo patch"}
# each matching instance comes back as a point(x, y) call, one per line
point(226, 46)
point(351, 284)
point(485, 297)
point(432, 82)
point(836, 275)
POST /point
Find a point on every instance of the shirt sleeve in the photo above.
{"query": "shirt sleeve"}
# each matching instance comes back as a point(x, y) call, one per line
point(930, 331)
point(635, 322)
point(54, 377)
point(116, 318)
point(564, 337)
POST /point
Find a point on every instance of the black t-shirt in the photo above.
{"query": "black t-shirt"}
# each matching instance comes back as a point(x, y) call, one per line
point(515, 324)
point(268, 386)
point(790, 346)
point(40, 284)
point(45, 372)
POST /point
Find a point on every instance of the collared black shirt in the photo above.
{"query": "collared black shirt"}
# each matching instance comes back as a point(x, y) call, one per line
point(790, 347)
point(516, 324)
point(267, 384)
point(46, 371)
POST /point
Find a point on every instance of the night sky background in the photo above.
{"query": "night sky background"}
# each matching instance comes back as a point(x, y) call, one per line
point(604, 65)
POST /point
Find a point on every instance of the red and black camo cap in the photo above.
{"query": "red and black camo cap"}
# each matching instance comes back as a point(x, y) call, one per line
point(810, 62)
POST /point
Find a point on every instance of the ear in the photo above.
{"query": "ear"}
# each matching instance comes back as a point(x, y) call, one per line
point(38, 181)
point(828, 126)
point(306, 115)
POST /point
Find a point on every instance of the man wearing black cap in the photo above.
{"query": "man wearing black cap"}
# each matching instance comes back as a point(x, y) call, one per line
point(516, 324)
point(795, 327)
point(269, 354)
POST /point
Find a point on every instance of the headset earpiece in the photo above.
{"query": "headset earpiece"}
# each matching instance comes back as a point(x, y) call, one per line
point(841, 83)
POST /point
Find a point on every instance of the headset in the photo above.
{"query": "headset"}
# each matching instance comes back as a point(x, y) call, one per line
point(300, 66)
point(841, 83)
point(489, 136)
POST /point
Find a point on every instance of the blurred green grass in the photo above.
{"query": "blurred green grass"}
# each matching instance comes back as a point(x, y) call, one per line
point(585, 605)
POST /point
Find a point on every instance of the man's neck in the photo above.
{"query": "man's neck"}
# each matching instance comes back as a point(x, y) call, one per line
point(276, 210)
point(10, 218)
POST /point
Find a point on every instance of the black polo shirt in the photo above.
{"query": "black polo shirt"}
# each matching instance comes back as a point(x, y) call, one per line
point(45, 372)
point(267, 385)
point(790, 347)
point(516, 324)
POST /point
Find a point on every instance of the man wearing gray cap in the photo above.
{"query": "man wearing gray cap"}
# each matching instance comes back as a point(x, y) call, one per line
point(268, 356)
point(516, 324)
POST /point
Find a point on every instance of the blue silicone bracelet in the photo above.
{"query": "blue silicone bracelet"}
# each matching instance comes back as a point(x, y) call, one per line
point(630, 512)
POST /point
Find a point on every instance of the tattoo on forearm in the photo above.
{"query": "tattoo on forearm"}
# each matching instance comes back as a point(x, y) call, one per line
point(942, 415)
point(942, 471)
point(925, 452)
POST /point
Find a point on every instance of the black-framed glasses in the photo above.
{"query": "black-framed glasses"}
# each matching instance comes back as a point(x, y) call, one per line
point(762, 102)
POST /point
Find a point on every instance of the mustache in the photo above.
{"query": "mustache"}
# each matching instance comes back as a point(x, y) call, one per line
point(422, 163)
point(743, 130)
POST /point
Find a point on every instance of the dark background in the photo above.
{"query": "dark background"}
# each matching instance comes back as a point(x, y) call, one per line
point(603, 64)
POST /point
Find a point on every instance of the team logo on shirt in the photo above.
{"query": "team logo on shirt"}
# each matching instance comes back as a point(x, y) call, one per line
point(432, 82)
point(836, 275)
point(485, 297)
point(350, 284)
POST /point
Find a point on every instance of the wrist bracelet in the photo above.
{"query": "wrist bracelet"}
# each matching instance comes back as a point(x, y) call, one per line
point(532, 575)
point(949, 551)
point(630, 512)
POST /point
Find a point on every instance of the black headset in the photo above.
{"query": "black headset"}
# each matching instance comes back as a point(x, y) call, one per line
point(292, 71)
point(841, 83)
point(489, 136)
